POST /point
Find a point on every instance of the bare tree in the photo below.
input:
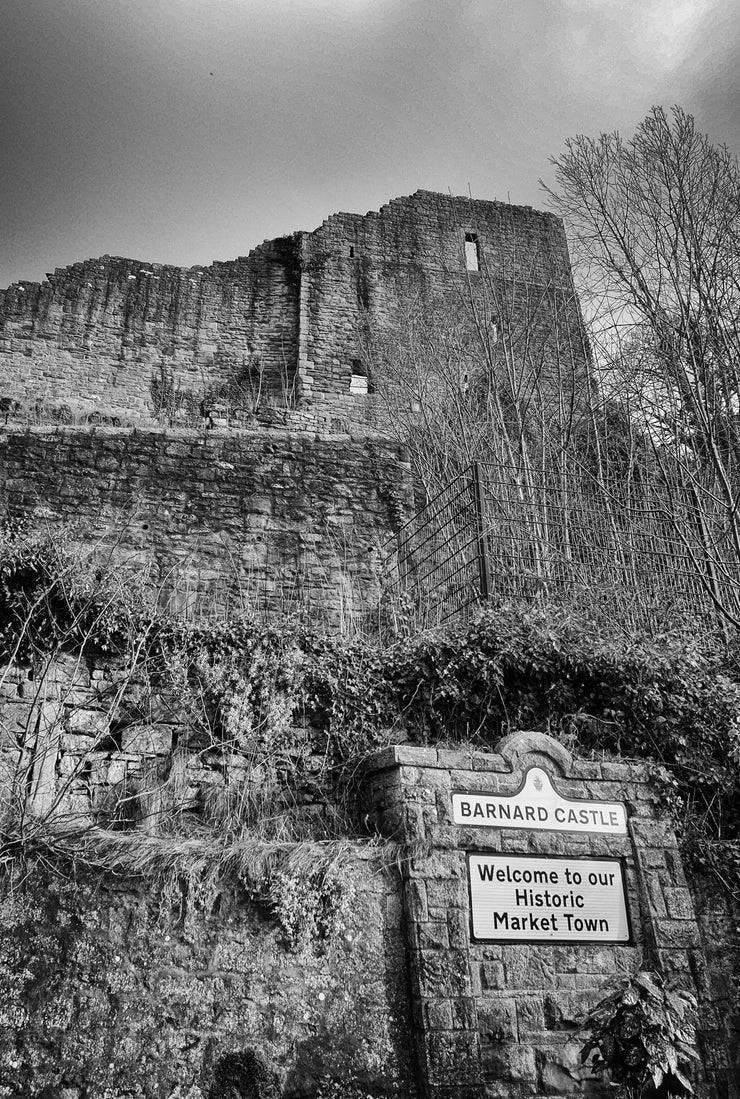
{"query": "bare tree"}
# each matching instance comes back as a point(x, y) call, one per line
point(655, 233)
point(495, 371)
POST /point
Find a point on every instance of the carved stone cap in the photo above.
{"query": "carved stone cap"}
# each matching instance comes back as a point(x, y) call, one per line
point(524, 744)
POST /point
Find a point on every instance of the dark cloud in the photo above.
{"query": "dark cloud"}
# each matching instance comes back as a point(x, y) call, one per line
point(707, 83)
point(117, 138)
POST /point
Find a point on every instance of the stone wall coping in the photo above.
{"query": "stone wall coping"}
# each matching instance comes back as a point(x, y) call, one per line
point(194, 434)
point(513, 759)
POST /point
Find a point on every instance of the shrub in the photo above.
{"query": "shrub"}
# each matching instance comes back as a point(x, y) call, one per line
point(642, 1037)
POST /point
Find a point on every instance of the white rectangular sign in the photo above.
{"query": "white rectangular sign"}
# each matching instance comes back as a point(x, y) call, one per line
point(528, 898)
point(538, 805)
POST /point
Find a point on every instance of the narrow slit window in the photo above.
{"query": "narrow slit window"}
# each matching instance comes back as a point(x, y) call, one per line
point(351, 251)
point(472, 252)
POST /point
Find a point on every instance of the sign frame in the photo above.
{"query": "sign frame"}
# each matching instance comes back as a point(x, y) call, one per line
point(531, 826)
point(618, 859)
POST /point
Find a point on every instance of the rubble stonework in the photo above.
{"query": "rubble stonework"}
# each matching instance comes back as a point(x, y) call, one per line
point(402, 1001)
point(114, 337)
point(274, 486)
point(110, 990)
point(266, 520)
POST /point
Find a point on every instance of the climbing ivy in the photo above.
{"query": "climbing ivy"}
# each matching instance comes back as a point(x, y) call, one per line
point(673, 700)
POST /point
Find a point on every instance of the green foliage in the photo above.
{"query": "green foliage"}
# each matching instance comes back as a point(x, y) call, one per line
point(642, 1037)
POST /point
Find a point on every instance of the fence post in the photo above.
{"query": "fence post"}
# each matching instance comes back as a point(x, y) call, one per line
point(479, 504)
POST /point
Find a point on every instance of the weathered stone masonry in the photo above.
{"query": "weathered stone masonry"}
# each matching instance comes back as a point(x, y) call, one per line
point(496, 1019)
point(284, 319)
point(96, 335)
point(103, 995)
point(249, 519)
point(117, 342)
point(106, 994)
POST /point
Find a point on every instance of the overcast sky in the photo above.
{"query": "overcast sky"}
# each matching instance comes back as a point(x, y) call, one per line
point(182, 131)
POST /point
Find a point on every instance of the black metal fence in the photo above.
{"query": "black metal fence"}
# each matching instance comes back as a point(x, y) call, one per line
point(628, 548)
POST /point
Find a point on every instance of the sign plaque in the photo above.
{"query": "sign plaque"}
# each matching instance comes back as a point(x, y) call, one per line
point(528, 898)
point(538, 805)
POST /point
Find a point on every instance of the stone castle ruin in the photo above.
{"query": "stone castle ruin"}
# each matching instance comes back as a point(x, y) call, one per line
point(221, 421)
point(216, 427)
point(122, 338)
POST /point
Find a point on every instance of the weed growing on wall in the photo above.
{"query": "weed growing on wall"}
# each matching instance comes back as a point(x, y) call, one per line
point(309, 907)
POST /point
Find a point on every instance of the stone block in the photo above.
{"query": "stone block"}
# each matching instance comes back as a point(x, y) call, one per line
point(586, 769)
point(458, 928)
point(408, 756)
point(432, 936)
point(15, 717)
point(147, 739)
point(442, 866)
point(492, 976)
point(444, 807)
point(674, 864)
point(445, 836)
point(559, 1071)
point(427, 778)
point(678, 903)
point(676, 934)
point(530, 1013)
point(490, 839)
point(455, 758)
point(546, 843)
point(416, 900)
point(381, 760)
point(529, 967)
point(442, 973)
point(438, 1014)
point(607, 791)
point(603, 960)
point(565, 1010)
point(88, 723)
point(490, 761)
point(675, 963)
point(454, 1057)
point(655, 895)
point(497, 1021)
point(618, 772)
point(464, 1013)
point(584, 981)
point(69, 764)
point(509, 1061)
point(108, 771)
point(649, 833)
point(445, 894)
point(413, 823)
point(652, 858)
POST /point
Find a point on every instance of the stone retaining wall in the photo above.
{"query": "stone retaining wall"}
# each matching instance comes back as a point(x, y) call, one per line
point(114, 991)
point(260, 520)
point(111, 991)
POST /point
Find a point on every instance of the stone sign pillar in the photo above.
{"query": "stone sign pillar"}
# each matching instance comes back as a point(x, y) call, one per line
point(531, 878)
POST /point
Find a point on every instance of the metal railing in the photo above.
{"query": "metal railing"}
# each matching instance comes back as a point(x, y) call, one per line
point(558, 533)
